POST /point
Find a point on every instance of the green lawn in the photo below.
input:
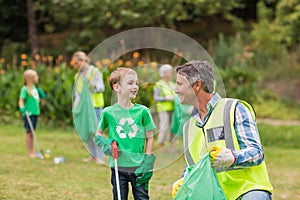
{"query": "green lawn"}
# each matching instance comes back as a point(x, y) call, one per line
point(25, 178)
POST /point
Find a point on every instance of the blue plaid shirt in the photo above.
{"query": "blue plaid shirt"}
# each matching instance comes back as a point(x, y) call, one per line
point(251, 152)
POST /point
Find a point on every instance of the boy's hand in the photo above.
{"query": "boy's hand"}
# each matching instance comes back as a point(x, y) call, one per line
point(104, 144)
point(145, 171)
point(23, 111)
point(42, 94)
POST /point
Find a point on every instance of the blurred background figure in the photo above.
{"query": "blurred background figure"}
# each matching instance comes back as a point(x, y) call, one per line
point(96, 86)
point(181, 114)
point(164, 98)
point(29, 101)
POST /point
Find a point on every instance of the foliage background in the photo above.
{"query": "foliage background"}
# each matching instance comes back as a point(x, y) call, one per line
point(255, 45)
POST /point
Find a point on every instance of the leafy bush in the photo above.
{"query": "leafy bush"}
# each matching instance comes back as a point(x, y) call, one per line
point(235, 58)
point(277, 109)
point(231, 51)
point(266, 37)
point(241, 83)
point(11, 84)
point(56, 82)
point(235, 61)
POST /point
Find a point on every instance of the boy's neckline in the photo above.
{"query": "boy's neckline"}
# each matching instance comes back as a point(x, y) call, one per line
point(126, 108)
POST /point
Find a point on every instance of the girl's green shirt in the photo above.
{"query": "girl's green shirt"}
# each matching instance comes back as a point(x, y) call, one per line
point(31, 102)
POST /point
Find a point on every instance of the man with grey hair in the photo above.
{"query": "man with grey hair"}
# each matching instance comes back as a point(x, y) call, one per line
point(225, 128)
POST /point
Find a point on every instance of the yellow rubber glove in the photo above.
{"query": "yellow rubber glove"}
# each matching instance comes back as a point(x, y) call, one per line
point(221, 157)
point(214, 151)
point(176, 187)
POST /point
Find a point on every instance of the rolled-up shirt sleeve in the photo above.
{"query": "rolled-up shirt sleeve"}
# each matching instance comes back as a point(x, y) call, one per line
point(251, 152)
point(98, 83)
point(185, 171)
point(157, 96)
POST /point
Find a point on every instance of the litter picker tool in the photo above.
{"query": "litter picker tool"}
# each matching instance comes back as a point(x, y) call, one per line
point(114, 148)
point(39, 152)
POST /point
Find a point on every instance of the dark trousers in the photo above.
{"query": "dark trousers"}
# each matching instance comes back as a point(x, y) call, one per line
point(33, 119)
point(125, 177)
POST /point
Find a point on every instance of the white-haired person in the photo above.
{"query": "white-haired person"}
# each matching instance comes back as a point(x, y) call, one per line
point(164, 98)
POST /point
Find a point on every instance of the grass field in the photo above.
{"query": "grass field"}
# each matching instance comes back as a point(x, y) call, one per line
point(25, 178)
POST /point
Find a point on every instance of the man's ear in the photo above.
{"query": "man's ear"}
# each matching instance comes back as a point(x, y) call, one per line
point(116, 87)
point(197, 86)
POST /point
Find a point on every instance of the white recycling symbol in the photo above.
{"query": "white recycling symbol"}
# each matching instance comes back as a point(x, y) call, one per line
point(35, 94)
point(133, 126)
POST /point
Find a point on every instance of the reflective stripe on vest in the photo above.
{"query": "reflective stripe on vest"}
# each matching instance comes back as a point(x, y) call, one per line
point(164, 91)
point(227, 129)
point(227, 125)
point(219, 131)
point(98, 97)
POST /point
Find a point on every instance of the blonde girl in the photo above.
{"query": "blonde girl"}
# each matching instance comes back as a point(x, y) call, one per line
point(29, 103)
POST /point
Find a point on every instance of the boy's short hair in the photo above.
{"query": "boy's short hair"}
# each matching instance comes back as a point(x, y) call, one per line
point(118, 74)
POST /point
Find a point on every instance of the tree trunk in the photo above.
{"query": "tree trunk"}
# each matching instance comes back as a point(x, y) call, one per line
point(32, 29)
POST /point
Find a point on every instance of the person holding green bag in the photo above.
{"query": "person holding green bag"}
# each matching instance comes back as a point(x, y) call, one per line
point(131, 126)
point(226, 129)
point(181, 114)
point(29, 101)
point(90, 75)
point(163, 95)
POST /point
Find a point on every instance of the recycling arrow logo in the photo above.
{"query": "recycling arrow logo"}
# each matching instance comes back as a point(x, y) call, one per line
point(127, 127)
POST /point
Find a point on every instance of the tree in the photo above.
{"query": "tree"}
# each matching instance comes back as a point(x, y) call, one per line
point(32, 28)
point(278, 24)
point(288, 18)
point(89, 21)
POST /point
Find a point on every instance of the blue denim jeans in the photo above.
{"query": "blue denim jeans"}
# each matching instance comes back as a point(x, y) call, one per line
point(98, 113)
point(125, 177)
point(94, 150)
point(257, 195)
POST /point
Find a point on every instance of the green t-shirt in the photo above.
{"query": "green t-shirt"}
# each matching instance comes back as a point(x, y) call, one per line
point(127, 127)
point(31, 102)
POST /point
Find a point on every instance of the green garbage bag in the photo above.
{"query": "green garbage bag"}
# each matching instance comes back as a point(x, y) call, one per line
point(201, 182)
point(180, 116)
point(84, 115)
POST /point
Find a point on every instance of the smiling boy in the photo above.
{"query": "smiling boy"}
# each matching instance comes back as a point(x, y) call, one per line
point(131, 126)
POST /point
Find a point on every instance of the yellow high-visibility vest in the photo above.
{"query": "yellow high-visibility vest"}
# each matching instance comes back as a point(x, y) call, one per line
point(164, 91)
point(98, 97)
point(219, 131)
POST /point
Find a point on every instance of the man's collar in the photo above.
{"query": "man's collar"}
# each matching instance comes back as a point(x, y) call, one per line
point(213, 101)
point(211, 104)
